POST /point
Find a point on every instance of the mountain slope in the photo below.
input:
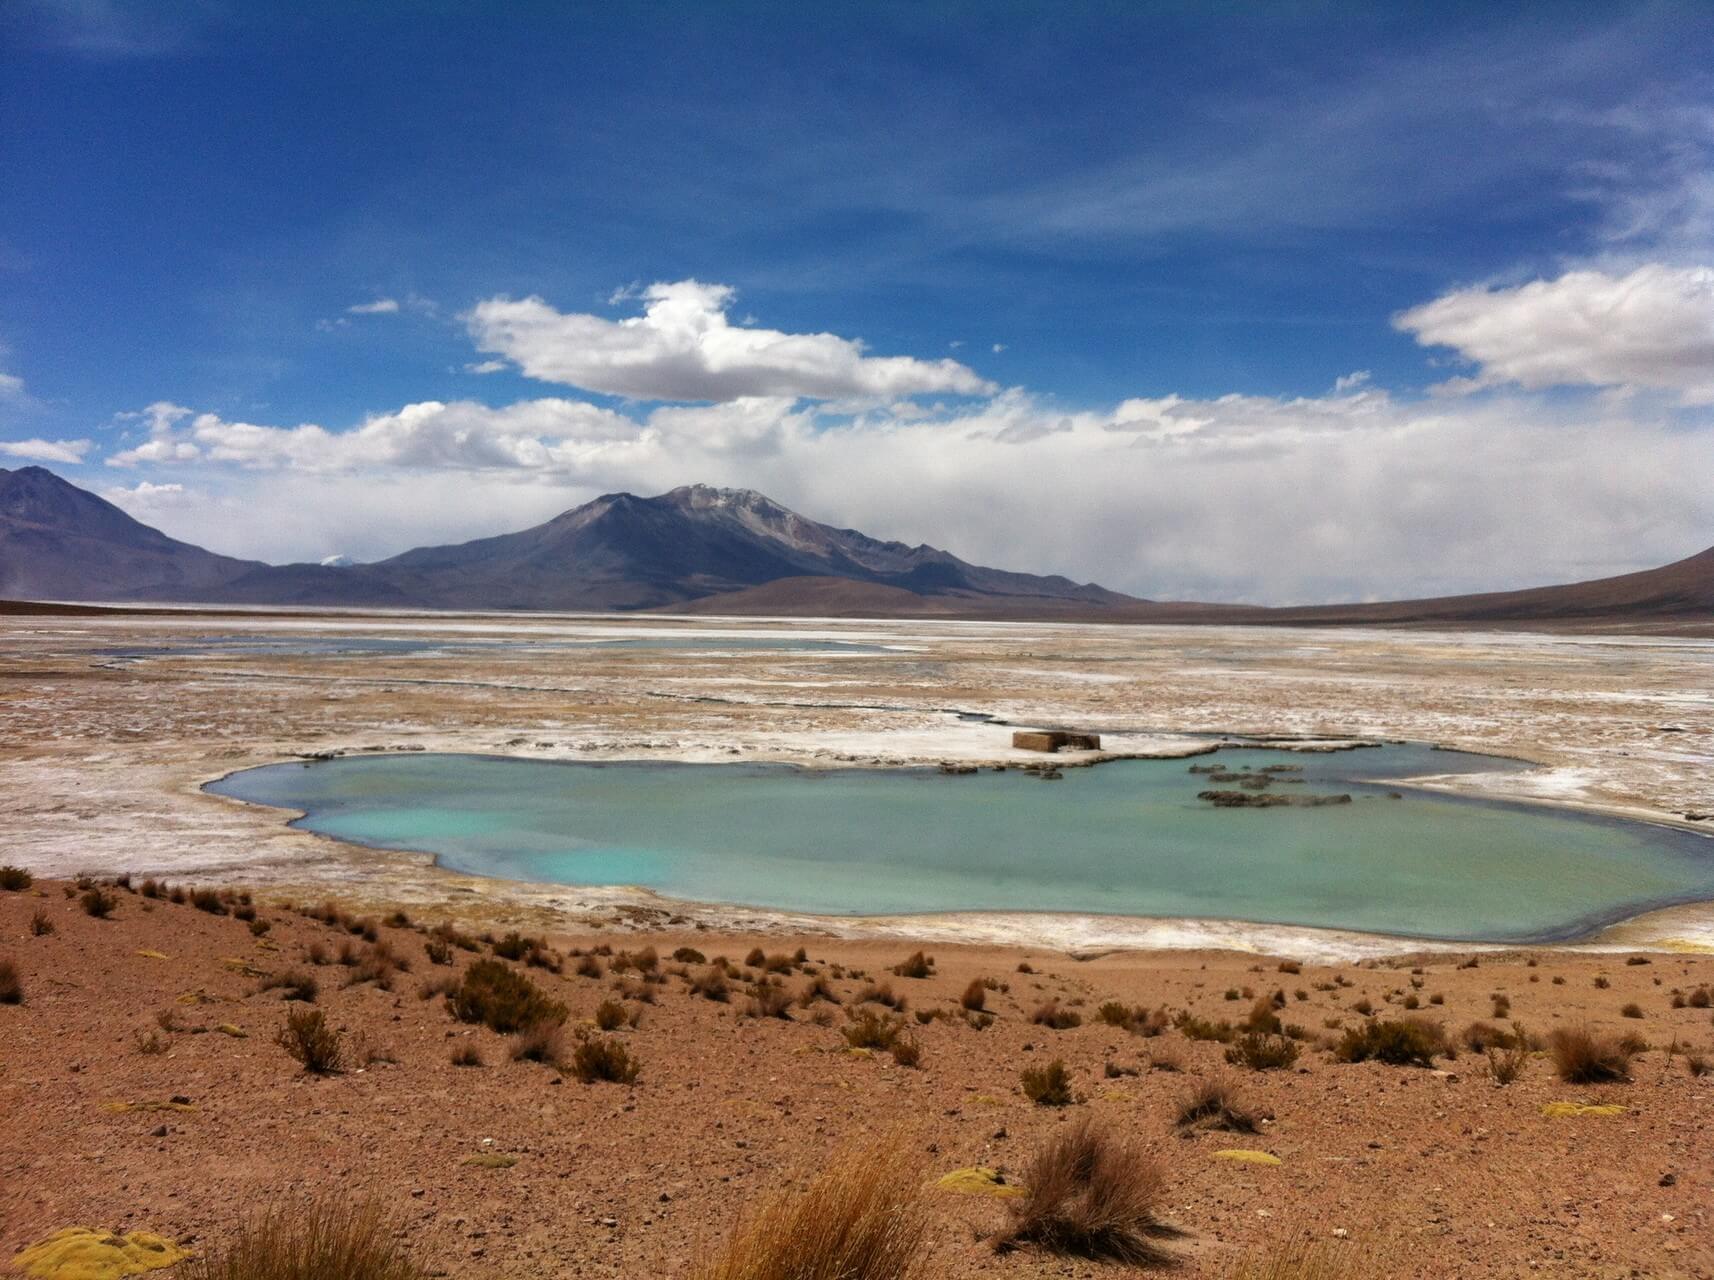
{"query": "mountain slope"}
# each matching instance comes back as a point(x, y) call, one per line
point(60, 542)
point(625, 552)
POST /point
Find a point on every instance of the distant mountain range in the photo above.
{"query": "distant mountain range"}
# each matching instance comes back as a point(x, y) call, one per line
point(698, 550)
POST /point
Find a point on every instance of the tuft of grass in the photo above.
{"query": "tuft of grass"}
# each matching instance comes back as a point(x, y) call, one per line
point(40, 925)
point(712, 984)
point(97, 902)
point(307, 1038)
point(1583, 1056)
point(1262, 1051)
point(502, 999)
point(975, 996)
point(689, 955)
point(15, 879)
point(1631, 1011)
point(817, 988)
point(871, 1030)
point(540, 1042)
point(1053, 1015)
point(11, 986)
point(467, 1055)
point(915, 965)
point(862, 1218)
point(603, 1058)
point(1048, 1086)
point(870, 993)
point(1215, 1103)
point(207, 900)
point(1197, 1028)
point(1507, 1059)
point(151, 1043)
point(297, 985)
point(907, 1051)
point(1405, 1042)
point(769, 1000)
point(1089, 1194)
point(313, 1241)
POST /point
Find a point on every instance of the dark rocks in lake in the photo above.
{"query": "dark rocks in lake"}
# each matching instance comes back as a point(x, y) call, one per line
point(1268, 800)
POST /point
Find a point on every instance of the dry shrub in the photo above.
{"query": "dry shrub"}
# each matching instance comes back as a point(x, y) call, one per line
point(1697, 1063)
point(207, 900)
point(313, 1241)
point(15, 879)
point(975, 996)
point(318, 1047)
point(1052, 1015)
point(1198, 1028)
point(915, 965)
point(1406, 1042)
point(689, 955)
point(1214, 1103)
point(1506, 1062)
point(296, 984)
point(40, 925)
point(150, 1043)
point(502, 999)
point(907, 1051)
point(609, 1015)
point(1048, 1086)
point(817, 988)
point(588, 967)
point(603, 1058)
point(1631, 1011)
point(871, 1030)
point(467, 1055)
point(1262, 1052)
point(540, 1042)
point(882, 994)
point(862, 1218)
point(712, 984)
point(11, 986)
point(1583, 1056)
point(1090, 1195)
point(98, 902)
point(768, 1000)
point(438, 951)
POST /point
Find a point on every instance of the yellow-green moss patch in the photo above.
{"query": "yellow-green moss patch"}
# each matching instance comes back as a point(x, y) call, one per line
point(978, 1181)
point(81, 1253)
point(489, 1161)
point(236, 1032)
point(1560, 1110)
point(1247, 1157)
point(152, 955)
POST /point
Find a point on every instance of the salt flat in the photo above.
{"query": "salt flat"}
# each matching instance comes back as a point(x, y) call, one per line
point(104, 756)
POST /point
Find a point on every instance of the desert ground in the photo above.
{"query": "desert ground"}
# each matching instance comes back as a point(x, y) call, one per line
point(1438, 1170)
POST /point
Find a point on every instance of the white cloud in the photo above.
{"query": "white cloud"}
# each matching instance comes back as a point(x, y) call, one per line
point(486, 366)
point(379, 307)
point(683, 347)
point(11, 386)
point(69, 452)
point(1345, 495)
point(1653, 327)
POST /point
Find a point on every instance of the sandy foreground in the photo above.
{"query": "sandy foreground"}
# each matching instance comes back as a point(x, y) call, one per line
point(103, 758)
point(1453, 1173)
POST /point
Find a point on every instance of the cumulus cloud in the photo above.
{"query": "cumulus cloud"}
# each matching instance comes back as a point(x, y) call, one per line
point(683, 347)
point(69, 452)
point(379, 307)
point(1350, 494)
point(1653, 327)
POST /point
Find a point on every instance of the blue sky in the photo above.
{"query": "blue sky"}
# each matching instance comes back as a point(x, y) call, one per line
point(1083, 208)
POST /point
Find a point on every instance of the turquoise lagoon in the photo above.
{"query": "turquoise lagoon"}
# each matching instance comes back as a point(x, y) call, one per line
point(1126, 838)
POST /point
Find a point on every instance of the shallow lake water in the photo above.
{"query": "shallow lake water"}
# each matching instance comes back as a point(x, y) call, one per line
point(1126, 838)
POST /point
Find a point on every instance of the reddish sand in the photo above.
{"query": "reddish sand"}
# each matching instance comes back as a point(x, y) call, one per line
point(1459, 1176)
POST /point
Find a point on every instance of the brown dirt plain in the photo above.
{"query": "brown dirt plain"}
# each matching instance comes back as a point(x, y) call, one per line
point(1413, 1172)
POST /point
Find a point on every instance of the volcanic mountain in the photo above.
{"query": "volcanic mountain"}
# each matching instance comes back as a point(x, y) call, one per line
point(618, 552)
point(710, 551)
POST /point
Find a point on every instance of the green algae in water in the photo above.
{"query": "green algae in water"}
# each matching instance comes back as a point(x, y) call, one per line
point(1128, 838)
